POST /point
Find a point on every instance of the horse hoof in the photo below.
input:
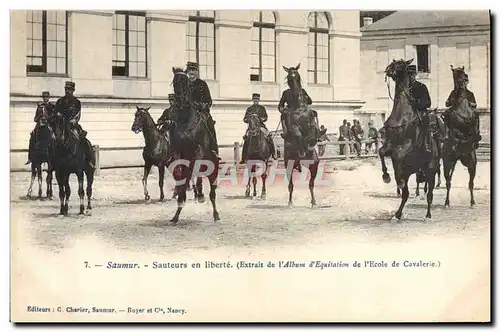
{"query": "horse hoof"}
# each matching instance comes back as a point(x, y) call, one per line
point(216, 217)
point(174, 220)
point(427, 219)
point(263, 197)
point(386, 178)
point(247, 193)
point(88, 212)
point(201, 199)
point(290, 204)
point(472, 206)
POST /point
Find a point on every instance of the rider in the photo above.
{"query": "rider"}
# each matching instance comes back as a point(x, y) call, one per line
point(288, 99)
point(41, 112)
point(260, 111)
point(472, 104)
point(165, 118)
point(421, 101)
point(202, 101)
point(69, 106)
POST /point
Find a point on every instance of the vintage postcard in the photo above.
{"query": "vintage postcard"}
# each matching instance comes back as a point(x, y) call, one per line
point(250, 166)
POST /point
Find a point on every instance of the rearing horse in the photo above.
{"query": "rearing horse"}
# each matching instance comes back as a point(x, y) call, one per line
point(190, 140)
point(258, 150)
point(42, 152)
point(462, 124)
point(155, 152)
point(70, 158)
point(404, 139)
point(303, 136)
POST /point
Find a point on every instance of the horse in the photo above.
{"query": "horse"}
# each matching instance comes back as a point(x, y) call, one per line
point(462, 126)
point(190, 139)
point(301, 145)
point(156, 151)
point(258, 149)
point(70, 158)
point(41, 152)
point(404, 139)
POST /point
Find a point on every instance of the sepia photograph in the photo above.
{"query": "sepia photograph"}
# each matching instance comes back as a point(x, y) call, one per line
point(226, 165)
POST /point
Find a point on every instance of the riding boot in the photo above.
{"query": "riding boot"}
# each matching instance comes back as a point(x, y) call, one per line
point(244, 152)
point(271, 146)
point(284, 135)
point(30, 148)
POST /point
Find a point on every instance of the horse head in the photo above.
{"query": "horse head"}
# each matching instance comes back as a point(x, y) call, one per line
point(398, 70)
point(253, 124)
point(61, 128)
point(460, 78)
point(293, 78)
point(180, 81)
point(142, 120)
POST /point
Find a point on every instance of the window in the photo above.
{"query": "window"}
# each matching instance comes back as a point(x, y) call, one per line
point(201, 42)
point(422, 58)
point(263, 60)
point(463, 56)
point(318, 49)
point(46, 41)
point(129, 44)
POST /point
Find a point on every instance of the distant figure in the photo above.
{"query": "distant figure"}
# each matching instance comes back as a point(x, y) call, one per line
point(356, 136)
point(344, 135)
point(322, 138)
point(373, 136)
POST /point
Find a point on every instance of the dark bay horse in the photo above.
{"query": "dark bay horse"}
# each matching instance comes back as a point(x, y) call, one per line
point(258, 151)
point(463, 127)
point(70, 158)
point(190, 140)
point(41, 152)
point(303, 136)
point(404, 139)
point(156, 150)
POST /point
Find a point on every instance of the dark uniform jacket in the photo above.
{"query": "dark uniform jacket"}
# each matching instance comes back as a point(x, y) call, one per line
point(200, 95)
point(69, 107)
point(453, 97)
point(49, 111)
point(288, 99)
point(421, 96)
point(166, 115)
point(373, 133)
point(259, 110)
point(344, 132)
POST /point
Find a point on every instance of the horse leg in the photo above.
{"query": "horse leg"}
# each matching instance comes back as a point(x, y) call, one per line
point(181, 201)
point(385, 176)
point(212, 178)
point(264, 178)
point(417, 191)
point(439, 177)
point(147, 169)
point(39, 175)
point(472, 175)
point(161, 172)
point(89, 173)
point(313, 169)
point(67, 191)
point(60, 183)
point(404, 197)
point(81, 193)
point(254, 182)
point(430, 193)
point(247, 191)
point(448, 166)
point(398, 189)
point(199, 189)
point(290, 186)
point(33, 175)
point(49, 183)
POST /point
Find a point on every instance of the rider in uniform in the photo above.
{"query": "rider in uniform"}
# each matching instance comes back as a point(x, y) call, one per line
point(69, 106)
point(260, 111)
point(41, 112)
point(165, 119)
point(472, 104)
point(421, 101)
point(202, 101)
point(287, 103)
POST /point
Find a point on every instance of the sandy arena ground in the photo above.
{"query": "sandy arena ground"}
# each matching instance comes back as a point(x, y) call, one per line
point(356, 203)
point(351, 222)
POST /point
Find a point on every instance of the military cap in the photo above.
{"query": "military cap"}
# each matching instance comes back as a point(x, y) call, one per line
point(255, 95)
point(191, 65)
point(45, 93)
point(69, 84)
